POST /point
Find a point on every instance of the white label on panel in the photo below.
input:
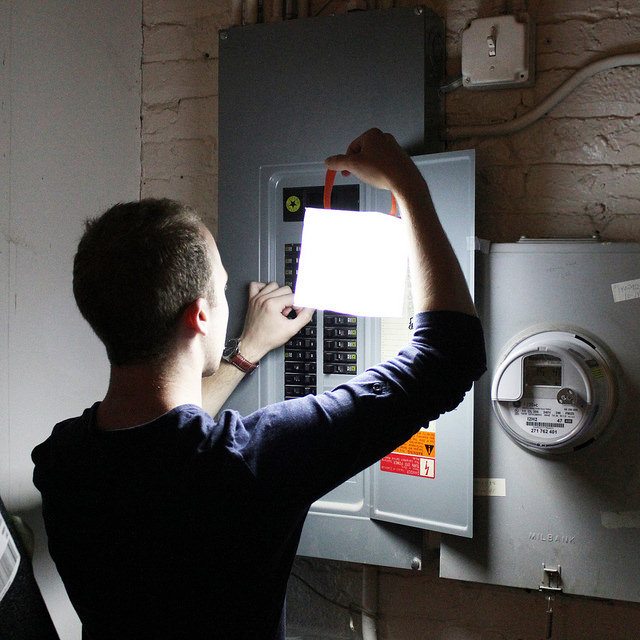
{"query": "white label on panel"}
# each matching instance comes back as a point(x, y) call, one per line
point(625, 290)
point(490, 487)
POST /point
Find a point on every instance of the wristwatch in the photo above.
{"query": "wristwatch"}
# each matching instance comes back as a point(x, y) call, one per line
point(233, 356)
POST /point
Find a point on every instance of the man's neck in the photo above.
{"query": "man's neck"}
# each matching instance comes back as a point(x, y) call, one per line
point(138, 394)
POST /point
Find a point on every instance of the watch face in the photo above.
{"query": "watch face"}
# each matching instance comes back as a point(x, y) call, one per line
point(230, 348)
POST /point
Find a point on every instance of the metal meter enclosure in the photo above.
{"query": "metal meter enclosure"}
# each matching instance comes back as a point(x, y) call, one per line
point(557, 421)
point(554, 391)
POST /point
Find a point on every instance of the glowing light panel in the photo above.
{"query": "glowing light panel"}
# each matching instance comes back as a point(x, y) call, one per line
point(352, 262)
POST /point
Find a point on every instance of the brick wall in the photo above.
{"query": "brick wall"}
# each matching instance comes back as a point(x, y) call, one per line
point(576, 172)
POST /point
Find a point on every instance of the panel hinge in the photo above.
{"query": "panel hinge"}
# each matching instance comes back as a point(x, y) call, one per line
point(551, 579)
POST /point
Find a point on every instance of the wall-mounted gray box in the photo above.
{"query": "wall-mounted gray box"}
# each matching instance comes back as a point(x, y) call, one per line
point(579, 510)
point(290, 95)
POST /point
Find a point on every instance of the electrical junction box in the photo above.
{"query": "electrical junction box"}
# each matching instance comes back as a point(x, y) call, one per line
point(557, 426)
point(292, 94)
point(497, 53)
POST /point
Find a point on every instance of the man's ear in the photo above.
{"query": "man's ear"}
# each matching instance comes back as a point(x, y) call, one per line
point(196, 316)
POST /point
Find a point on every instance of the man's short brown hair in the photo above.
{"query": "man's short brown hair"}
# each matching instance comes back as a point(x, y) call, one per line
point(138, 266)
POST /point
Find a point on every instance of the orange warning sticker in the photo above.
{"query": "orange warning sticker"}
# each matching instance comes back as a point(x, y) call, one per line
point(416, 457)
point(422, 443)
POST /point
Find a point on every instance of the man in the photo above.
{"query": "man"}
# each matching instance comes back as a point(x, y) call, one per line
point(165, 523)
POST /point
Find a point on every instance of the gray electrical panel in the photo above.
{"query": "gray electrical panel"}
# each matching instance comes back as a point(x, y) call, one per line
point(301, 90)
point(557, 502)
point(290, 95)
point(427, 483)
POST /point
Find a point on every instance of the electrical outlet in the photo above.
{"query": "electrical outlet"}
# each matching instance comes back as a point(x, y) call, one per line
point(497, 52)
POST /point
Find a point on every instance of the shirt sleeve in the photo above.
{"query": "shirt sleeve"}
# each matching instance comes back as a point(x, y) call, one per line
point(305, 447)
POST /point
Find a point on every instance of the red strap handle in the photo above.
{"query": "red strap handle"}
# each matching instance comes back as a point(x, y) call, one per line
point(328, 186)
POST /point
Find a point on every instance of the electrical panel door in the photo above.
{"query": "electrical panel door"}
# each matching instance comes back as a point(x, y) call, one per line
point(557, 502)
point(422, 484)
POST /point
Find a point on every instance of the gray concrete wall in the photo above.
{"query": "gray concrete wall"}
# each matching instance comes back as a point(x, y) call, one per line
point(69, 148)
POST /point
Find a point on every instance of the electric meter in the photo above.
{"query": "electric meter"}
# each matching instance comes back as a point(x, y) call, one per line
point(554, 391)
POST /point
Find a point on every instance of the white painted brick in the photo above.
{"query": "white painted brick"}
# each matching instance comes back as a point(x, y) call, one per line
point(499, 189)
point(159, 121)
point(559, 189)
point(623, 228)
point(178, 158)
point(199, 192)
point(206, 36)
point(185, 12)
point(467, 106)
point(614, 92)
point(574, 43)
point(165, 41)
point(191, 118)
point(169, 42)
point(596, 141)
point(554, 11)
point(500, 227)
point(164, 82)
point(575, 188)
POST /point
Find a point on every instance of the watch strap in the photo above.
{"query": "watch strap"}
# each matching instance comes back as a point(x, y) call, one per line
point(239, 361)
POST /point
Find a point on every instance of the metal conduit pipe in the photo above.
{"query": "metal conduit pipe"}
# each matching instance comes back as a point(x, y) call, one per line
point(505, 128)
point(369, 602)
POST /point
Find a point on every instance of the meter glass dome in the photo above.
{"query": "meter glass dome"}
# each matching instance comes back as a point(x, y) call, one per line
point(554, 391)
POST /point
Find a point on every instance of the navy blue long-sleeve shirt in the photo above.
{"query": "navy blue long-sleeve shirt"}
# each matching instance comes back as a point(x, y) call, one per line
point(187, 527)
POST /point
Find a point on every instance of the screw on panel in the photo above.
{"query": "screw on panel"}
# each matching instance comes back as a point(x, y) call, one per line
point(418, 11)
point(416, 564)
point(224, 35)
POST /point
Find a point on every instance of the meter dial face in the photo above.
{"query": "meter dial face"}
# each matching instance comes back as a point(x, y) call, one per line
point(540, 414)
point(542, 370)
point(554, 392)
